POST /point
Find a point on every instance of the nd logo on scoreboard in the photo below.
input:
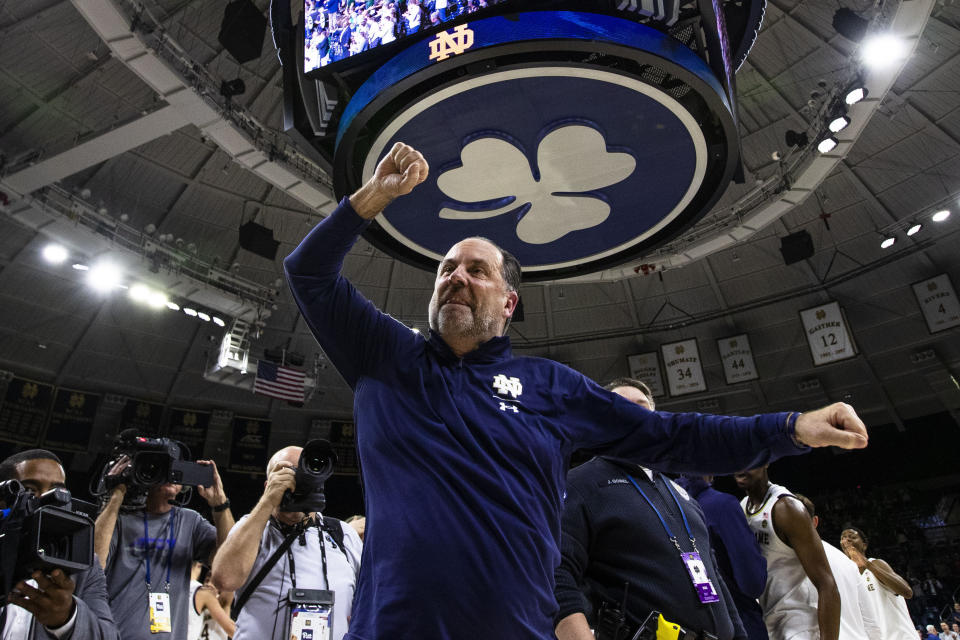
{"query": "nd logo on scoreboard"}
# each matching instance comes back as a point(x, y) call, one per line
point(448, 44)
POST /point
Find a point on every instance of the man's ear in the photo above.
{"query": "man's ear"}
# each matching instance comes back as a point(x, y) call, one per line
point(511, 304)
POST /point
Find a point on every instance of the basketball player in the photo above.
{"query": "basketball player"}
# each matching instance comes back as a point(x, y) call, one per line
point(887, 588)
point(794, 608)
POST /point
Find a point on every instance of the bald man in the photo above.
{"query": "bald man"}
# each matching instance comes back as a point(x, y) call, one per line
point(315, 561)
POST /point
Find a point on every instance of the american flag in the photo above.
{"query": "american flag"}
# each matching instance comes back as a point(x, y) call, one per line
point(279, 382)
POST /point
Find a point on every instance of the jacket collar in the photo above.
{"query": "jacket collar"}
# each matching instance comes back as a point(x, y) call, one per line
point(490, 351)
point(695, 485)
point(627, 466)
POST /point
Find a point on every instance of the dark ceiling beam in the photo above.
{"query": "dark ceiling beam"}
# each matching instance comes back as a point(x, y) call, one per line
point(30, 16)
point(183, 363)
point(45, 103)
point(75, 347)
point(186, 178)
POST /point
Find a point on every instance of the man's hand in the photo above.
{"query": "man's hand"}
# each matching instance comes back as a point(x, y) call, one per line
point(402, 169)
point(112, 479)
point(50, 602)
point(854, 554)
point(214, 494)
point(282, 478)
point(836, 425)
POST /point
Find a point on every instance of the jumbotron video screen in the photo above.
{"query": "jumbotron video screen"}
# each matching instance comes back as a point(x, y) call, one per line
point(335, 30)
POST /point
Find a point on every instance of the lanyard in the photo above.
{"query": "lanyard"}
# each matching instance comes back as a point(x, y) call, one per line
point(170, 540)
point(666, 527)
point(323, 559)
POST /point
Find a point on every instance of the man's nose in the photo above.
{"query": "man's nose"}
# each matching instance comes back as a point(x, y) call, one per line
point(459, 275)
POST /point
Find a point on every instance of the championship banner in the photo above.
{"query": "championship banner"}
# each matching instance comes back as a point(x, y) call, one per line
point(827, 334)
point(190, 428)
point(248, 448)
point(24, 410)
point(141, 415)
point(737, 359)
point(71, 420)
point(938, 302)
point(646, 368)
point(343, 441)
point(681, 361)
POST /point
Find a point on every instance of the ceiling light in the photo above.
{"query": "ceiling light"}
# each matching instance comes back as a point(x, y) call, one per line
point(941, 215)
point(827, 144)
point(81, 267)
point(839, 123)
point(856, 94)
point(203, 316)
point(140, 293)
point(104, 276)
point(219, 322)
point(887, 242)
point(55, 253)
point(173, 306)
point(157, 300)
point(882, 51)
point(190, 312)
point(914, 228)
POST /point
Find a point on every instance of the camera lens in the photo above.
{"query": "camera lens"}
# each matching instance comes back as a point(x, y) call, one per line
point(318, 458)
point(150, 469)
point(316, 464)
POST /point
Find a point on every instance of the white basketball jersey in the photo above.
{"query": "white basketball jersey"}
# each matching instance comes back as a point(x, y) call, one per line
point(891, 609)
point(857, 611)
point(789, 601)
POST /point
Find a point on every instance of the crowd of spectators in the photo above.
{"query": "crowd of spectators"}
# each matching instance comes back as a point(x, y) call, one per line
point(337, 29)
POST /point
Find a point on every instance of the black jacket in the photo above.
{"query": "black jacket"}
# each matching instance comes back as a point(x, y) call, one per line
point(611, 536)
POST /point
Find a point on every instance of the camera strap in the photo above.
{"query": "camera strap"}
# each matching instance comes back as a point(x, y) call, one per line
point(243, 596)
point(323, 558)
point(171, 541)
point(330, 525)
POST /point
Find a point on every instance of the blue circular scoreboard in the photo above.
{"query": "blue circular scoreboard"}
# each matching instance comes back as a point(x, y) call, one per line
point(576, 140)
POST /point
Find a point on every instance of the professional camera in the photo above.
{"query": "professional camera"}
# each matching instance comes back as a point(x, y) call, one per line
point(314, 467)
point(45, 532)
point(155, 461)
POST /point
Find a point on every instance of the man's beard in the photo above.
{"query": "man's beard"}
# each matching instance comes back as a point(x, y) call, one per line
point(451, 323)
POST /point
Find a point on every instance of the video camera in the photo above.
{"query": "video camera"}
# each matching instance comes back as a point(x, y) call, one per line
point(46, 532)
point(155, 461)
point(314, 467)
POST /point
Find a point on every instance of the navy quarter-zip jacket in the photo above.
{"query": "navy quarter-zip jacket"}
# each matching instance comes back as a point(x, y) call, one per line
point(464, 460)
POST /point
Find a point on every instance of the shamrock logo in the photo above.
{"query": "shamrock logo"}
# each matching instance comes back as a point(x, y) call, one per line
point(733, 344)
point(821, 314)
point(573, 162)
point(679, 349)
point(189, 419)
point(143, 410)
point(931, 286)
point(29, 390)
point(76, 400)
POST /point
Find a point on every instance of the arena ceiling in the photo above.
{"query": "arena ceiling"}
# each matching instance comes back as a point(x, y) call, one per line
point(61, 87)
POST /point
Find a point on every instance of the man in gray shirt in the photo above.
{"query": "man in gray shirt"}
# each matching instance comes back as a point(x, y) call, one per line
point(147, 554)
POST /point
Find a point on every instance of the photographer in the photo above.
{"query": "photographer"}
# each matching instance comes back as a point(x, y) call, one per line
point(55, 605)
point(325, 554)
point(147, 552)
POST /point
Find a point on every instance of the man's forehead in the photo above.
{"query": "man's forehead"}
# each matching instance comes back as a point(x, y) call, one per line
point(474, 249)
point(40, 468)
